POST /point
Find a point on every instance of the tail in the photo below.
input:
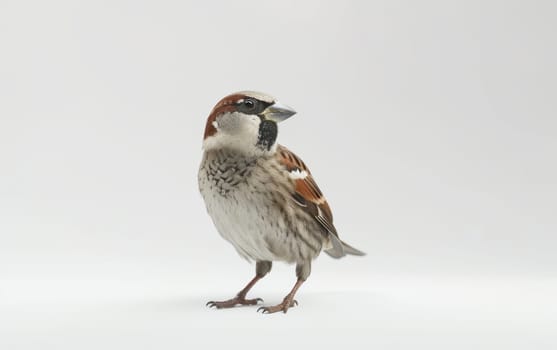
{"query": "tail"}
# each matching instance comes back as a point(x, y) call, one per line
point(340, 249)
point(348, 249)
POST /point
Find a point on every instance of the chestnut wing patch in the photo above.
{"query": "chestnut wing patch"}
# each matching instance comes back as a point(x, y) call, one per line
point(306, 192)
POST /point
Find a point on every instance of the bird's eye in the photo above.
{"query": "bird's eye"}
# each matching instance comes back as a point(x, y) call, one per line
point(249, 103)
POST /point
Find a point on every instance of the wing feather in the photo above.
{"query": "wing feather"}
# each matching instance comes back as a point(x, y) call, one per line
point(306, 193)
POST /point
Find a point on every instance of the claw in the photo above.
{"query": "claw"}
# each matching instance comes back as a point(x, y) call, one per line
point(284, 306)
point(233, 302)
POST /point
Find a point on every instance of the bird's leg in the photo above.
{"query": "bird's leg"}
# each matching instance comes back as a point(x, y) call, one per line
point(287, 302)
point(261, 269)
point(239, 299)
point(302, 272)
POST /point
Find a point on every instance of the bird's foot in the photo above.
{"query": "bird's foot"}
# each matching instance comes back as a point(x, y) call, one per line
point(284, 306)
point(237, 300)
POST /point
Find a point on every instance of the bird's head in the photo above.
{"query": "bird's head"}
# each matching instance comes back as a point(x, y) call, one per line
point(245, 122)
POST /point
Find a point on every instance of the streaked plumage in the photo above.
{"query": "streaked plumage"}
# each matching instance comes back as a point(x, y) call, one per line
point(261, 197)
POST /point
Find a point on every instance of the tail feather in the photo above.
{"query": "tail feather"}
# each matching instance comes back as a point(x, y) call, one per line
point(340, 249)
point(348, 249)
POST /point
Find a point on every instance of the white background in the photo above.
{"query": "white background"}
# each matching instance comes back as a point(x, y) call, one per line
point(431, 127)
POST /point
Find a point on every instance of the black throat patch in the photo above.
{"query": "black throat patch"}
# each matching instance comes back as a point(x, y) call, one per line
point(268, 131)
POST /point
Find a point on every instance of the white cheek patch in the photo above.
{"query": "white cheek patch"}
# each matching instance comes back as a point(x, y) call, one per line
point(215, 124)
point(297, 174)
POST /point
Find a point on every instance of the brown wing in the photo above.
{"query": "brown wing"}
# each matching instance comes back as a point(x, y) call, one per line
point(306, 192)
point(307, 195)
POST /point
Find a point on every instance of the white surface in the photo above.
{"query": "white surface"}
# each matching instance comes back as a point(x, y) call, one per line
point(394, 313)
point(442, 118)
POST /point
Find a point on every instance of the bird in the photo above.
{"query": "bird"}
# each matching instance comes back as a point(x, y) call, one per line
point(261, 197)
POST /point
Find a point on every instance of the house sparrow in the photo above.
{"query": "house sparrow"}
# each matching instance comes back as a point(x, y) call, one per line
point(261, 197)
